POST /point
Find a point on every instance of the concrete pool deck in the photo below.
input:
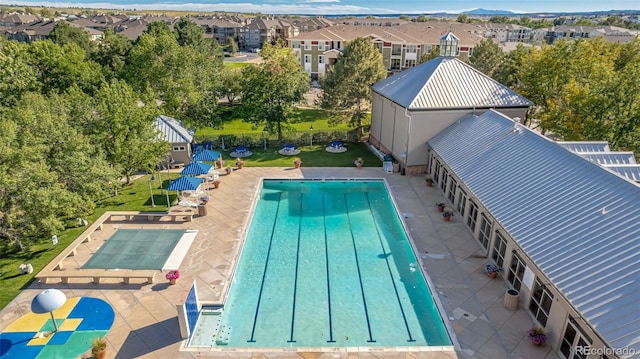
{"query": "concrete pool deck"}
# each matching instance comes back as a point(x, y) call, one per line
point(146, 325)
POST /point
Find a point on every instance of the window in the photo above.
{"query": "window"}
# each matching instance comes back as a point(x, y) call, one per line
point(321, 45)
point(307, 45)
point(307, 59)
point(295, 44)
point(445, 178)
point(452, 190)
point(178, 148)
point(409, 63)
point(516, 271)
point(412, 49)
point(541, 301)
point(485, 231)
point(573, 338)
point(321, 59)
point(473, 216)
point(462, 202)
point(499, 249)
point(395, 64)
point(436, 173)
point(396, 49)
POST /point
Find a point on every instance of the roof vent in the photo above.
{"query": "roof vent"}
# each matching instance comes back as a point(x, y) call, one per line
point(516, 124)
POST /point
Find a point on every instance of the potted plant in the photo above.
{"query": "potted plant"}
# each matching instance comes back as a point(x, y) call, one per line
point(359, 162)
point(492, 270)
point(173, 276)
point(297, 162)
point(429, 180)
point(219, 162)
point(99, 348)
point(447, 213)
point(239, 163)
point(537, 335)
point(228, 169)
point(216, 183)
point(440, 206)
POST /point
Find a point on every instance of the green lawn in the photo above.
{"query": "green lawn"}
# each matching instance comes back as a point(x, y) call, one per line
point(235, 126)
point(136, 197)
point(133, 197)
point(315, 156)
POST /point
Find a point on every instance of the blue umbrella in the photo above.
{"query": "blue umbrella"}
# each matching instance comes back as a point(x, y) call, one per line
point(206, 155)
point(196, 168)
point(185, 184)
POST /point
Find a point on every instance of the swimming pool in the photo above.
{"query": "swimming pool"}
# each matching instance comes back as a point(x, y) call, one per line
point(325, 264)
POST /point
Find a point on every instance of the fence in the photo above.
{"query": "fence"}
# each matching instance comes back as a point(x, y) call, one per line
point(299, 138)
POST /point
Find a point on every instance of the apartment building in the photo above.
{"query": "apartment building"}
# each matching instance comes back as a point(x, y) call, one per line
point(612, 33)
point(401, 47)
point(221, 29)
point(266, 30)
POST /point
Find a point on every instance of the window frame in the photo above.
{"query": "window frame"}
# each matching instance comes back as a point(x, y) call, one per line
point(537, 304)
point(516, 271)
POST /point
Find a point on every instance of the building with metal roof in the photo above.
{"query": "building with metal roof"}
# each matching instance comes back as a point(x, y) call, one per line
point(411, 107)
point(180, 138)
point(563, 228)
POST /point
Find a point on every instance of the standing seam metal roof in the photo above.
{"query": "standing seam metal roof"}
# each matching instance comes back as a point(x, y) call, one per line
point(577, 221)
point(447, 82)
point(172, 130)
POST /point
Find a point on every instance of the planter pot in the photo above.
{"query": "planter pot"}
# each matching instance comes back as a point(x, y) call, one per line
point(228, 171)
point(173, 281)
point(358, 166)
point(493, 275)
point(296, 165)
point(219, 165)
point(447, 218)
point(100, 355)
point(240, 166)
point(216, 185)
point(429, 184)
point(440, 209)
point(536, 342)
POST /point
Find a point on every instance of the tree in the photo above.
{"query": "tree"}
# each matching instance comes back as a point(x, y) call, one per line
point(49, 171)
point(271, 89)
point(435, 52)
point(17, 76)
point(232, 45)
point(507, 72)
point(487, 57)
point(125, 128)
point(188, 33)
point(405, 18)
point(231, 83)
point(347, 86)
point(60, 67)
point(463, 18)
point(181, 76)
point(501, 19)
point(65, 33)
point(111, 53)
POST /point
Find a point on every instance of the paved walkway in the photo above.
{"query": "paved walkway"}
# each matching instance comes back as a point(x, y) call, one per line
point(146, 325)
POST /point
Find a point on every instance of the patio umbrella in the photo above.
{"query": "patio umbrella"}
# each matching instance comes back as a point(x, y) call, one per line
point(206, 155)
point(46, 302)
point(196, 168)
point(185, 183)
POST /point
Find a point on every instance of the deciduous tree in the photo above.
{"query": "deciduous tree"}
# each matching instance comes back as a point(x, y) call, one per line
point(271, 89)
point(487, 57)
point(347, 86)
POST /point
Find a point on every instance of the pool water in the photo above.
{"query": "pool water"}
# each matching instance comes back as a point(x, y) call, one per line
point(327, 264)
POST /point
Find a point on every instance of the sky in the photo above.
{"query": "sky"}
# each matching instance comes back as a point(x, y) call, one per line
point(339, 7)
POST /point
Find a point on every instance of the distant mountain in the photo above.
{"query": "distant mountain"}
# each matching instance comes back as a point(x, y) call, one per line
point(489, 12)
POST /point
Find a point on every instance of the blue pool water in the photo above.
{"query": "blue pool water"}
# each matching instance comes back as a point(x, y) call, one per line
point(327, 264)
